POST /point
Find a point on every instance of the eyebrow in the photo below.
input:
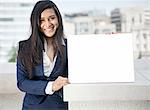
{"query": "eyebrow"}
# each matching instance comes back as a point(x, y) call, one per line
point(50, 15)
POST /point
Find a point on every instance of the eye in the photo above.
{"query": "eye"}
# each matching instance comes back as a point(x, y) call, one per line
point(53, 17)
point(41, 20)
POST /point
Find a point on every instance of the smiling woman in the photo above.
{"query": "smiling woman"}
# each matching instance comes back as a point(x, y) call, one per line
point(42, 67)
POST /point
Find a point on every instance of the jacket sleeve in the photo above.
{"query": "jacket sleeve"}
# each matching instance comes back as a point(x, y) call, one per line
point(27, 85)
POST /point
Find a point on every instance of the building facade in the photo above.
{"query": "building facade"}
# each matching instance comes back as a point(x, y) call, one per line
point(90, 23)
point(137, 21)
point(14, 25)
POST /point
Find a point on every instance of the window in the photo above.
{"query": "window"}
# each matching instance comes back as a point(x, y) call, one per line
point(145, 47)
point(6, 19)
point(145, 36)
point(133, 21)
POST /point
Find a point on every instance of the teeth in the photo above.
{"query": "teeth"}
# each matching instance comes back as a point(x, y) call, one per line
point(49, 29)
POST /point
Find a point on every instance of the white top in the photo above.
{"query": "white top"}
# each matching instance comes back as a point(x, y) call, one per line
point(48, 67)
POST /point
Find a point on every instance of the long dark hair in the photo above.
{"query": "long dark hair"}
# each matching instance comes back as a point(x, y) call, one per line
point(30, 51)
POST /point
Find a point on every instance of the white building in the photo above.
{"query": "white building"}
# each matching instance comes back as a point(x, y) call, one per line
point(137, 21)
point(69, 27)
point(14, 24)
point(90, 23)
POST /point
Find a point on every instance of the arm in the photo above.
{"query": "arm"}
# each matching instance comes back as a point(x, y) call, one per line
point(30, 86)
point(38, 87)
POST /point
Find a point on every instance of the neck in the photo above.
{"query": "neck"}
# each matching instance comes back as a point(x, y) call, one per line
point(49, 41)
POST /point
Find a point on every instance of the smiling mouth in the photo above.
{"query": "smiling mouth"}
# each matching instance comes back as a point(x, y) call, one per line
point(49, 29)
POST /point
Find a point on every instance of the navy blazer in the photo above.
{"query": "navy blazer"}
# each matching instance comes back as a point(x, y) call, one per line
point(35, 88)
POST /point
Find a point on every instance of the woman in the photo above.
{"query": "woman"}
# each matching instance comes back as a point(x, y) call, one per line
point(42, 60)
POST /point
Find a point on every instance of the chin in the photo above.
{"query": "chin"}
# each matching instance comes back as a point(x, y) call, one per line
point(49, 35)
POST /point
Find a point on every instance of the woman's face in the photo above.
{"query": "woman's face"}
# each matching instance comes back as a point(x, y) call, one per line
point(49, 22)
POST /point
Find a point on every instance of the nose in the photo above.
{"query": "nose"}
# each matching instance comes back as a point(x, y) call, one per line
point(47, 23)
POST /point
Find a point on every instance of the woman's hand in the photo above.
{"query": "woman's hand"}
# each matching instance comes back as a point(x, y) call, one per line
point(59, 83)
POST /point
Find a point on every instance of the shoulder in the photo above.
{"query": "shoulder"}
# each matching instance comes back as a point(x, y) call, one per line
point(23, 49)
point(23, 44)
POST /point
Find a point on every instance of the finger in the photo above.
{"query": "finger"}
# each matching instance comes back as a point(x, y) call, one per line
point(65, 84)
point(66, 80)
point(62, 77)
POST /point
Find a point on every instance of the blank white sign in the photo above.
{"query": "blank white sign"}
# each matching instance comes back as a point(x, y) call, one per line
point(100, 58)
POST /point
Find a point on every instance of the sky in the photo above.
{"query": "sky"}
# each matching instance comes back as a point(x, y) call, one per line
point(69, 6)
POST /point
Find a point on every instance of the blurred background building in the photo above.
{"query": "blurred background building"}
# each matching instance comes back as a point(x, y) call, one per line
point(90, 22)
point(137, 21)
point(15, 25)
